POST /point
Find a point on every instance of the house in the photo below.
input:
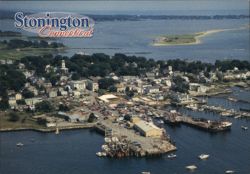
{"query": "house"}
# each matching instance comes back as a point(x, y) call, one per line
point(63, 93)
point(152, 90)
point(18, 96)
point(148, 129)
point(52, 93)
point(76, 94)
point(120, 87)
point(196, 87)
point(79, 85)
point(33, 90)
point(93, 86)
point(166, 82)
point(33, 101)
point(12, 102)
point(180, 97)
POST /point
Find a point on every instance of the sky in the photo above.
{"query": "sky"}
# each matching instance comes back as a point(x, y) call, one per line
point(124, 6)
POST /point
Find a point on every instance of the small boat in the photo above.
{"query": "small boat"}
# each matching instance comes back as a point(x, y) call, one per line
point(191, 167)
point(229, 171)
point(244, 127)
point(145, 172)
point(19, 144)
point(172, 156)
point(232, 99)
point(57, 131)
point(160, 122)
point(203, 156)
point(101, 154)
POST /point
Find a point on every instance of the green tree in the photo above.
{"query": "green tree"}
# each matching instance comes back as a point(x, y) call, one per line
point(44, 106)
point(180, 85)
point(27, 93)
point(92, 118)
point(13, 117)
point(106, 83)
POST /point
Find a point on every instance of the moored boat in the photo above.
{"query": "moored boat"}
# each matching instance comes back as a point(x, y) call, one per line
point(191, 167)
point(19, 144)
point(244, 127)
point(229, 171)
point(172, 156)
point(203, 156)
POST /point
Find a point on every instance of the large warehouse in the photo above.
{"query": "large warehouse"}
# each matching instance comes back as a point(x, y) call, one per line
point(148, 129)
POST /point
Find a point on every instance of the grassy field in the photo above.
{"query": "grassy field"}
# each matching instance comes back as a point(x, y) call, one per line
point(177, 39)
point(25, 122)
point(15, 54)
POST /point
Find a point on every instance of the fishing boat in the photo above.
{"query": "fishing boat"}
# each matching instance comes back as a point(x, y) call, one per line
point(19, 144)
point(203, 156)
point(229, 171)
point(172, 156)
point(191, 167)
point(244, 127)
point(57, 131)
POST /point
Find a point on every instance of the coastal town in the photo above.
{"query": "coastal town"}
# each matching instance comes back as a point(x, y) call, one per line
point(127, 109)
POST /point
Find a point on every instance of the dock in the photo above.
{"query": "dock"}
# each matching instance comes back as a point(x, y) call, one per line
point(201, 123)
point(123, 142)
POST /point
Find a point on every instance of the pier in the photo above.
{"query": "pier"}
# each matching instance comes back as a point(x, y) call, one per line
point(201, 123)
point(123, 142)
point(226, 112)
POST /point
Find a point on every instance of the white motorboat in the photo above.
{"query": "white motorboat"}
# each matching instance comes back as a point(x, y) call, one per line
point(244, 127)
point(101, 154)
point(203, 156)
point(191, 167)
point(19, 144)
point(229, 172)
point(172, 156)
point(145, 172)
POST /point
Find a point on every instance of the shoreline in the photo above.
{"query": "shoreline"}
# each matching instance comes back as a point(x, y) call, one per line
point(47, 130)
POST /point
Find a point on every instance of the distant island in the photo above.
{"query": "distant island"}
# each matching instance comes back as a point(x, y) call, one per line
point(188, 39)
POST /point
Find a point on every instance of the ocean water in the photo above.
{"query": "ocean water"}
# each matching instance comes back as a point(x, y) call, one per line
point(74, 151)
point(136, 38)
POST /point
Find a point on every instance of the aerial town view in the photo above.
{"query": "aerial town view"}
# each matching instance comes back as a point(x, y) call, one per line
point(124, 87)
